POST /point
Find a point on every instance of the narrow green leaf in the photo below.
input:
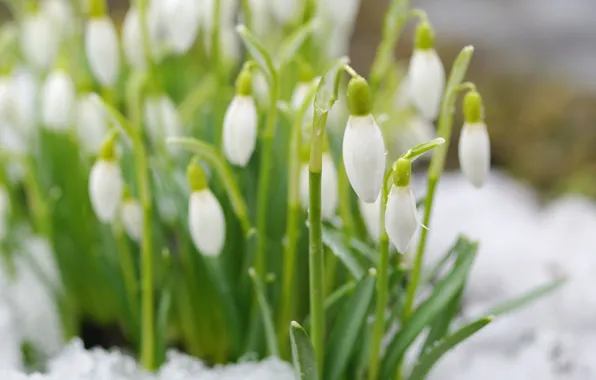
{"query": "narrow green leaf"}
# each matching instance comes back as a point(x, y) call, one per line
point(345, 332)
point(335, 242)
point(526, 298)
point(199, 96)
point(334, 299)
point(257, 51)
point(163, 311)
point(430, 357)
point(292, 44)
point(303, 353)
point(265, 312)
point(428, 311)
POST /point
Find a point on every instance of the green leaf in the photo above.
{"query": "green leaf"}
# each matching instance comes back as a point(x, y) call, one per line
point(430, 357)
point(420, 149)
point(429, 310)
point(199, 96)
point(303, 353)
point(265, 313)
point(328, 88)
point(526, 298)
point(335, 242)
point(345, 332)
point(334, 299)
point(292, 44)
point(257, 51)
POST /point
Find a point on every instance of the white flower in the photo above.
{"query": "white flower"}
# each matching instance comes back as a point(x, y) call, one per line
point(162, 118)
point(427, 81)
point(261, 18)
point(286, 11)
point(132, 218)
point(25, 98)
point(329, 191)
point(105, 189)
point(132, 39)
point(341, 12)
point(206, 222)
point(401, 217)
point(181, 20)
point(474, 152)
point(240, 130)
point(364, 156)
point(371, 215)
point(300, 94)
point(61, 14)
point(101, 46)
point(39, 42)
point(91, 123)
point(58, 101)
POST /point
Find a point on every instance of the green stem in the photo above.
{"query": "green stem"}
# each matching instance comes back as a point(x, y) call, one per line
point(345, 210)
point(247, 19)
point(382, 289)
point(128, 271)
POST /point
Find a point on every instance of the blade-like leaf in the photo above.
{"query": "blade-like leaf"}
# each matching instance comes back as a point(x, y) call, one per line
point(526, 298)
point(428, 311)
point(335, 242)
point(292, 43)
point(345, 332)
point(257, 51)
point(265, 313)
point(430, 357)
point(303, 353)
point(333, 299)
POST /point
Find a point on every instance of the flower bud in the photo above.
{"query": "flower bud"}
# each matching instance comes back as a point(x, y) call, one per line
point(132, 39)
point(474, 142)
point(101, 46)
point(132, 218)
point(58, 101)
point(205, 215)
point(91, 123)
point(105, 183)
point(363, 146)
point(240, 123)
point(426, 73)
point(329, 190)
point(39, 42)
point(181, 21)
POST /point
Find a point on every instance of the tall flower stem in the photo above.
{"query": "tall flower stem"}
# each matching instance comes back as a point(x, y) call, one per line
point(382, 286)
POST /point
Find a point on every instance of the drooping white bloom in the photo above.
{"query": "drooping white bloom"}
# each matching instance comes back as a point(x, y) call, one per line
point(39, 42)
point(132, 39)
point(132, 218)
point(329, 191)
point(101, 46)
point(181, 20)
point(61, 14)
point(371, 215)
point(105, 189)
point(474, 152)
point(364, 156)
point(161, 117)
point(401, 217)
point(91, 123)
point(206, 222)
point(58, 101)
point(240, 130)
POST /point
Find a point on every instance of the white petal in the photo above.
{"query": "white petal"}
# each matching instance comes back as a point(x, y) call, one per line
point(39, 42)
point(13, 139)
point(132, 39)
point(61, 14)
point(182, 23)
point(329, 191)
point(58, 101)
point(341, 12)
point(299, 95)
point(474, 153)
point(261, 20)
point(371, 215)
point(105, 189)
point(364, 156)
point(427, 81)
point(25, 97)
point(401, 220)
point(91, 123)
point(132, 218)
point(304, 186)
point(285, 11)
point(240, 130)
point(206, 223)
point(101, 46)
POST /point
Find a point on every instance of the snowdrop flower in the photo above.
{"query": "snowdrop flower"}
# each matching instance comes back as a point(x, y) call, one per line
point(162, 118)
point(132, 218)
point(132, 39)
point(371, 215)
point(426, 73)
point(329, 191)
point(91, 123)
point(363, 146)
point(240, 123)
point(101, 46)
point(181, 21)
point(205, 215)
point(105, 183)
point(39, 41)
point(401, 216)
point(474, 143)
point(61, 14)
point(58, 101)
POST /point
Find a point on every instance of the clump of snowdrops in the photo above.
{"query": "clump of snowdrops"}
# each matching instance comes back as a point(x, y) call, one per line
point(217, 176)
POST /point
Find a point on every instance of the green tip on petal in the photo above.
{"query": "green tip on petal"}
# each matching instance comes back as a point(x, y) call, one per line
point(108, 149)
point(244, 83)
point(97, 8)
point(305, 72)
point(359, 99)
point(473, 107)
point(402, 172)
point(197, 180)
point(425, 37)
